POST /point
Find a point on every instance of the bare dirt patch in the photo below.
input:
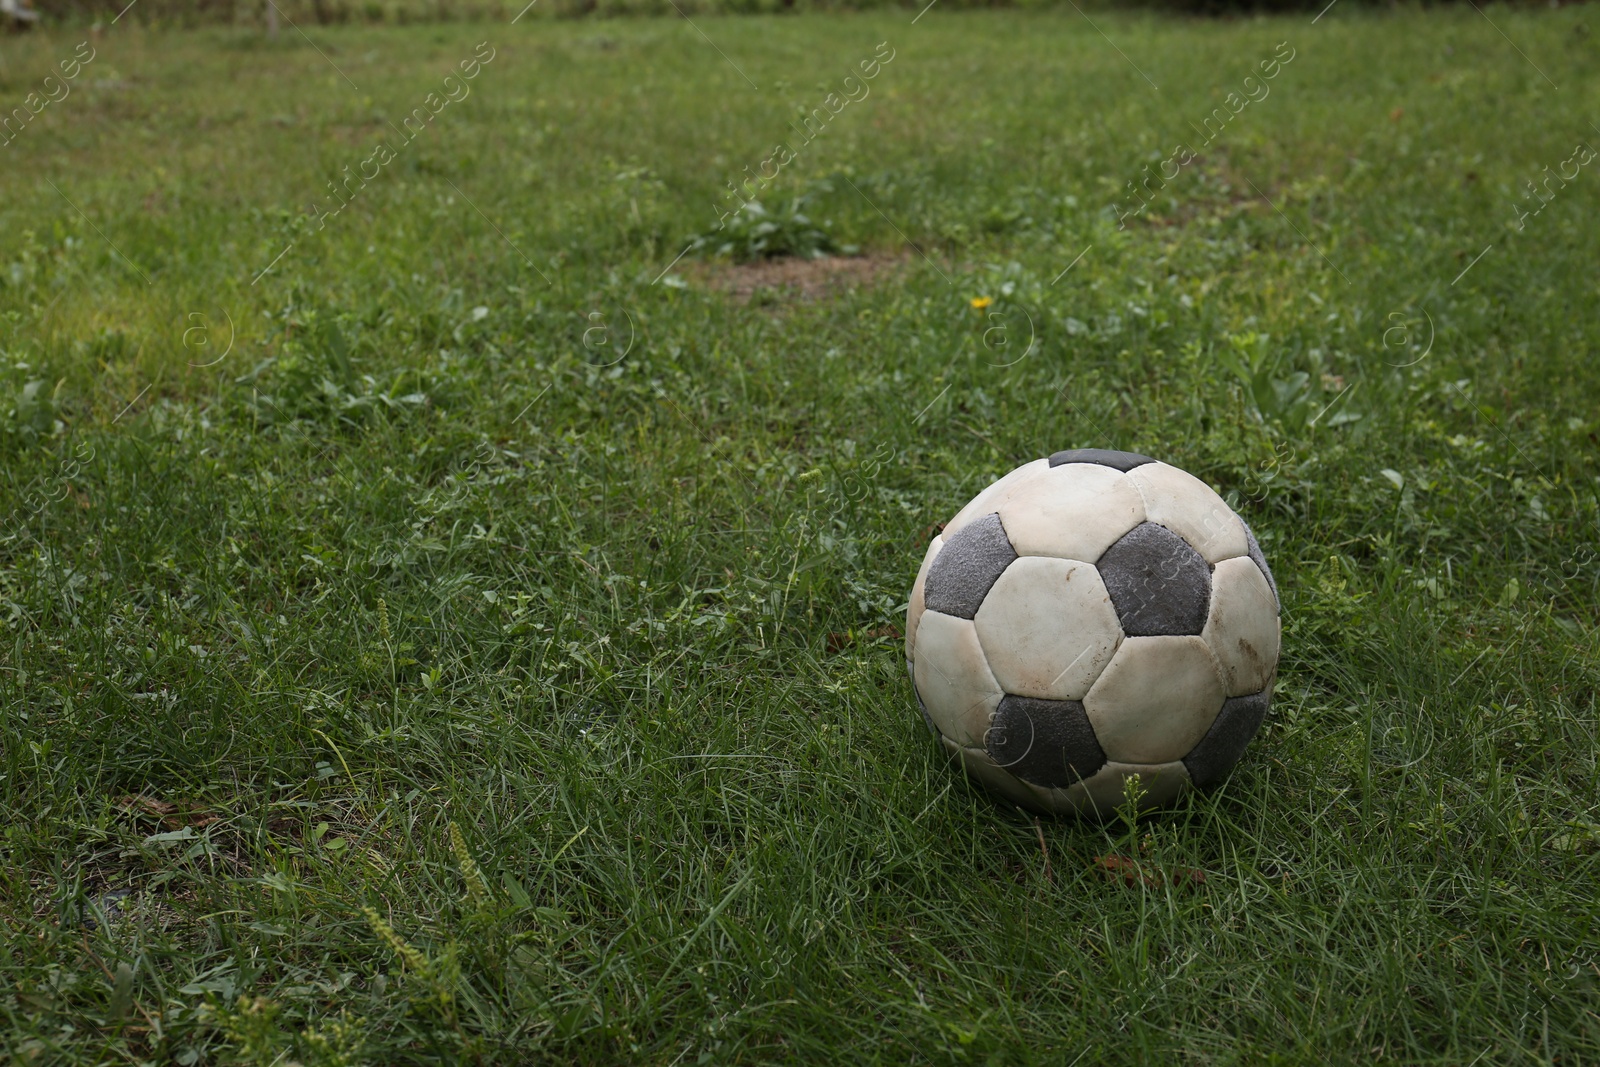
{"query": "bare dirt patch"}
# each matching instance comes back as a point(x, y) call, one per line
point(790, 279)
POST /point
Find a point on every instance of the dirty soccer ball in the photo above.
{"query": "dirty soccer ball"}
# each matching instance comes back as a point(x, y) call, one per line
point(1088, 617)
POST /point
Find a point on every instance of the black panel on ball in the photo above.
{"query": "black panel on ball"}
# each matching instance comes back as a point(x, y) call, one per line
point(1160, 585)
point(1253, 550)
point(1049, 743)
point(967, 567)
point(1122, 461)
point(1223, 745)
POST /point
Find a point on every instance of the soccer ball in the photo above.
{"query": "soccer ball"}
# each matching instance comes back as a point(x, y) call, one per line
point(1089, 617)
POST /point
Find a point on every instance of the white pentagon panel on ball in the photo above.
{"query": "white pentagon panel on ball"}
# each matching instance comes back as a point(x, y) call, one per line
point(983, 503)
point(953, 678)
point(1048, 628)
point(1242, 627)
point(989, 774)
point(1156, 698)
point(1191, 509)
point(1103, 792)
point(1069, 801)
point(1073, 511)
point(917, 605)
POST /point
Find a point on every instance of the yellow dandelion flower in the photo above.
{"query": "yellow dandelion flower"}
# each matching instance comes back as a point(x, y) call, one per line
point(981, 302)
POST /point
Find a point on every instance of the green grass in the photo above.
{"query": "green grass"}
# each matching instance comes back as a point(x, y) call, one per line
point(393, 563)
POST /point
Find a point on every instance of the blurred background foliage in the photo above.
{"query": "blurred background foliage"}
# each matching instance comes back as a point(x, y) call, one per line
point(405, 12)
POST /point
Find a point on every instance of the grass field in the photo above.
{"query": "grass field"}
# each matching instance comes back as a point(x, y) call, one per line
point(465, 505)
